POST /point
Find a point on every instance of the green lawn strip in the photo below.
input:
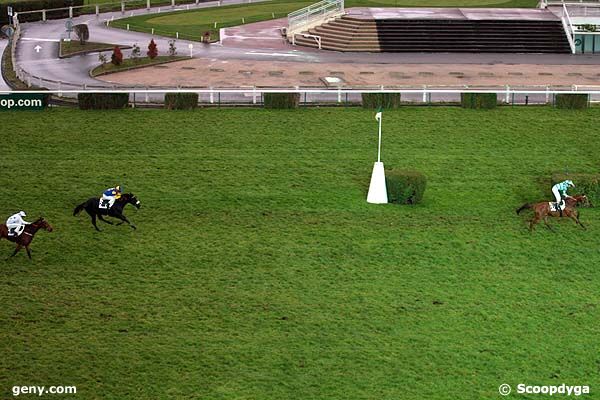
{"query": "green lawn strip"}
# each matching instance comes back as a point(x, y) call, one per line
point(74, 47)
point(192, 24)
point(129, 64)
point(258, 270)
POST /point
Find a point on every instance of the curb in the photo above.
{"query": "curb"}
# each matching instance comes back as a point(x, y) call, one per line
point(81, 52)
point(135, 67)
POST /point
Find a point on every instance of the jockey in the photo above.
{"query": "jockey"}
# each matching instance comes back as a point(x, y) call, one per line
point(109, 196)
point(16, 224)
point(560, 192)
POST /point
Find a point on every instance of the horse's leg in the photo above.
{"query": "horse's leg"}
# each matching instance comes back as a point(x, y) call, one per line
point(101, 218)
point(575, 217)
point(534, 221)
point(16, 250)
point(124, 219)
point(28, 251)
point(547, 224)
point(94, 222)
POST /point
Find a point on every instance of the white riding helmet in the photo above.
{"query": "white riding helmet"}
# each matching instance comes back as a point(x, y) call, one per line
point(22, 213)
point(570, 183)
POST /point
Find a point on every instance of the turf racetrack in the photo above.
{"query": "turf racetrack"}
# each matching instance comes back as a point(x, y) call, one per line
point(258, 270)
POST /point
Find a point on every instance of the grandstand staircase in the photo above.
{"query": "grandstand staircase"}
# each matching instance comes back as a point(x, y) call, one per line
point(347, 33)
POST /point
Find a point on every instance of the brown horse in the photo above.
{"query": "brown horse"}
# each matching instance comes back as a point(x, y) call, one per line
point(543, 211)
point(25, 238)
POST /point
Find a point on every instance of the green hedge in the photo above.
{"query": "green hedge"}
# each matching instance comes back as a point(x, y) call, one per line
point(28, 5)
point(571, 101)
point(281, 100)
point(102, 101)
point(181, 101)
point(383, 100)
point(479, 100)
point(588, 184)
point(405, 187)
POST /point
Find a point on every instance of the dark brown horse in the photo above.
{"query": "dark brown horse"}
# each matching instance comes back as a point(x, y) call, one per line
point(92, 207)
point(25, 238)
point(543, 211)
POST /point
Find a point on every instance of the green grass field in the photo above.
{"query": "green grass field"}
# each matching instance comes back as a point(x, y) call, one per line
point(192, 24)
point(258, 270)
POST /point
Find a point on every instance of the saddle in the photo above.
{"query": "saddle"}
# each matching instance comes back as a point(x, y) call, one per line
point(104, 204)
point(14, 237)
point(554, 207)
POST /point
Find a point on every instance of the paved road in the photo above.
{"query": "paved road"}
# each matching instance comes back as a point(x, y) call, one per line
point(47, 65)
point(46, 35)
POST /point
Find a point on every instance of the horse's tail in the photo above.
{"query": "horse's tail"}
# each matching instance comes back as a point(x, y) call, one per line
point(78, 209)
point(523, 207)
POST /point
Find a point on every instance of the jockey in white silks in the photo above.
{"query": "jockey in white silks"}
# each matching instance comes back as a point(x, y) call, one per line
point(560, 192)
point(16, 224)
point(110, 196)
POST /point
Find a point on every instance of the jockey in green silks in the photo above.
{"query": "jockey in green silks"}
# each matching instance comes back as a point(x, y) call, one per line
point(560, 193)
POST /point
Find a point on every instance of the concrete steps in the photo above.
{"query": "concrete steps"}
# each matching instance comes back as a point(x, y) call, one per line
point(480, 36)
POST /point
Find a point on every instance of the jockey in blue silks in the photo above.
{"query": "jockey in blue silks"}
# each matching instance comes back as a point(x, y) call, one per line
point(110, 196)
point(560, 193)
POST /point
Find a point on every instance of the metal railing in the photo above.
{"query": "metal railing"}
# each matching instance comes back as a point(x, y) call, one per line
point(568, 27)
point(546, 3)
point(335, 97)
point(317, 13)
point(307, 35)
point(122, 6)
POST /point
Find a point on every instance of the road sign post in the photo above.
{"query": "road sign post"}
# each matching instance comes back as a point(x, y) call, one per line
point(69, 27)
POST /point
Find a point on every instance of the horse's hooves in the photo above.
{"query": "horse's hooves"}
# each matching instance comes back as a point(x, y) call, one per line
point(134, 227)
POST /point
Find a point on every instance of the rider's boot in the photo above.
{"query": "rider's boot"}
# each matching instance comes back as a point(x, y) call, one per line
point(560, 208)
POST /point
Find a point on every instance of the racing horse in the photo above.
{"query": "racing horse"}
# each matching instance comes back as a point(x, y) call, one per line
point(92, 207)
point(543, 210)
point(25, 238)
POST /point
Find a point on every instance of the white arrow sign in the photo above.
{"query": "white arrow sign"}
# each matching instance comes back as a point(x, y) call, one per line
point(37, 48)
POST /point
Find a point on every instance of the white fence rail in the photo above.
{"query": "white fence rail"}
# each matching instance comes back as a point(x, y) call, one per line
point(122, 6)
point(317, 13)
point(545, 3)
point(341, 97)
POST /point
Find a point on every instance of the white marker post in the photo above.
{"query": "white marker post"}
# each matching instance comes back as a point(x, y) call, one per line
point(191, 47)
point(377, 188)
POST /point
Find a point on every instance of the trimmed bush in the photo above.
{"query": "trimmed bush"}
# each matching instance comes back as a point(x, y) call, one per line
point(405, 187)
point(588, 184)
point(152, 49)
point(181, 101)
point(102, 101)
point(483, 101)
point(571, 101)
point(281, 100)
point(117, 56)
point(28, 5)
point(383, 100)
